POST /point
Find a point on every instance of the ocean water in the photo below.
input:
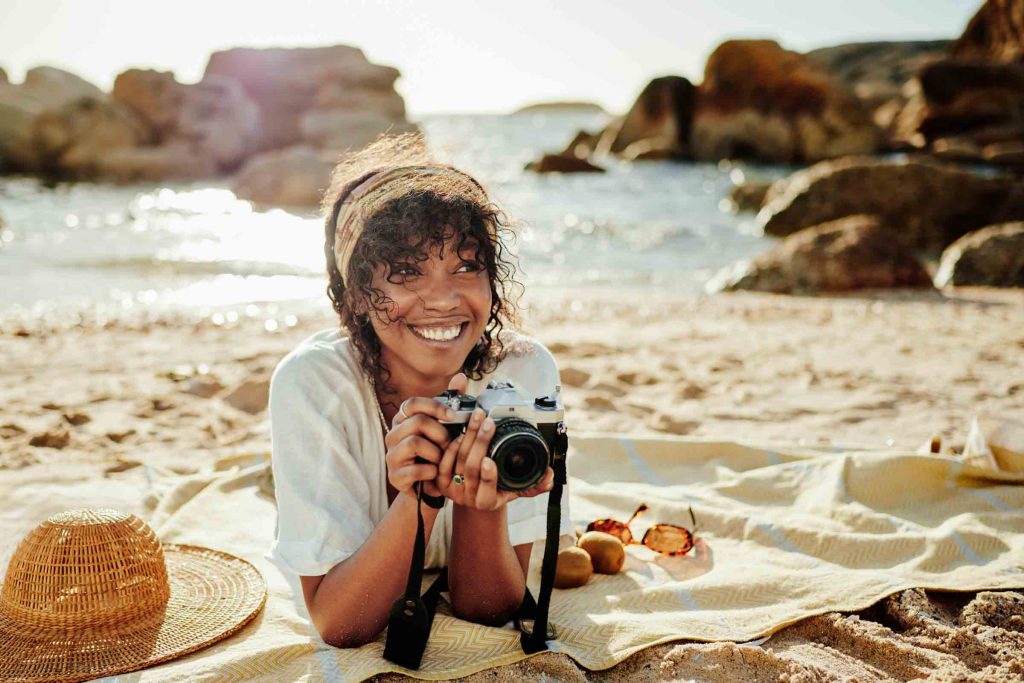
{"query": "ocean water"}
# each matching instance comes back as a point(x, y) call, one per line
point(195, 247)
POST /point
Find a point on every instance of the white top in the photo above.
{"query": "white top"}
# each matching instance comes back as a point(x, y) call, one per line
point(328, 455)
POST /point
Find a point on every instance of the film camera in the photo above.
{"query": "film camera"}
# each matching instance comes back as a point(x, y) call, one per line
point(525, 430)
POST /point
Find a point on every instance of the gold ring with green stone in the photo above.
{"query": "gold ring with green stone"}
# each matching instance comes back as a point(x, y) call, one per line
point(458, 479)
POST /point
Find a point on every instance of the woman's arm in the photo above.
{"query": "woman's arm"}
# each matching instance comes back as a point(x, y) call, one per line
point(349, 605)
point(486, 578)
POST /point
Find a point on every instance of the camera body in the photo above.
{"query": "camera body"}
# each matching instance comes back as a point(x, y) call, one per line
point(526, 430)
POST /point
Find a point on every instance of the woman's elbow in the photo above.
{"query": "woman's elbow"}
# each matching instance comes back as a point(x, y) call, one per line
point(344, 637)
point(485, 614)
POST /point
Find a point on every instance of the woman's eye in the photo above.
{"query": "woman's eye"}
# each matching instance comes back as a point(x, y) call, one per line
point(468, 267)
point(406, 271)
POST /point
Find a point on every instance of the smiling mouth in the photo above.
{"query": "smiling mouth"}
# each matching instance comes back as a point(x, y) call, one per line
point(439, 334)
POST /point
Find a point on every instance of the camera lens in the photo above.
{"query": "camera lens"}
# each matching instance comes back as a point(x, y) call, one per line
point(520, 454)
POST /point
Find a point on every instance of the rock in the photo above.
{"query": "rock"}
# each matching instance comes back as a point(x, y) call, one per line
point(929, 204)
point(58, 437)
point(1004, 153)
point(213, 117)
point(957, 149)
point(749, 196)
point(761, 101)
point(45, 88)
point(341, 129)
point(155, 95)
point(177, 160)
point(73, 140)
point(250, 396)
point(955, 99)
point(660, 119)
point(994, 34)
point(991, 257)
point(877, 71)
point(558, 163)
point(286, 83)
point(582, 146)
point(853, 253)
point(558, 107)
point(294, 176)
point(204, 386)
point(334, 95)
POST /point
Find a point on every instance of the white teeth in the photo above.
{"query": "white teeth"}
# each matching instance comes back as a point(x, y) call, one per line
point(438, 333)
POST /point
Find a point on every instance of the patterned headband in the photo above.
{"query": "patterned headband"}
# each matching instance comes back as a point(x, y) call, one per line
point(372, 193)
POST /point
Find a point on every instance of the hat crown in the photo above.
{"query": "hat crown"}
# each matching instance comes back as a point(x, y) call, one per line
point(83, 568)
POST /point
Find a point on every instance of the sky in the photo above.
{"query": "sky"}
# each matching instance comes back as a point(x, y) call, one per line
point(457, 55)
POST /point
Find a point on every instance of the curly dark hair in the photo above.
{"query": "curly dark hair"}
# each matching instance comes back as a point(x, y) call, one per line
point(410, 226)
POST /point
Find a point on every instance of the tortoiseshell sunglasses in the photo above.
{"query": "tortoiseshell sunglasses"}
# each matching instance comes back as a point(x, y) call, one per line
point(667, 539)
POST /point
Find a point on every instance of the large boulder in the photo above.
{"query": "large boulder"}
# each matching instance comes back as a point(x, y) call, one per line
point(992, 256)
point(761, 101)
point(995, 34)
point(660, 119)
point(44, 89)
point(214, 117)
point(295, 177)
point(929, 204)
point(877, 71)
point(562, 163)
point(980, 102)
point(176, 159)
point(342, 129)
point(72, 140)
point(286, 83)
point(856, 252)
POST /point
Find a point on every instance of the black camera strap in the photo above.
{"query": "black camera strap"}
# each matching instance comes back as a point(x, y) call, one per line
point(412, 616)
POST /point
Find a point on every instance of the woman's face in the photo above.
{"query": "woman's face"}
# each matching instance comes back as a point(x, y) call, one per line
point(440, 310)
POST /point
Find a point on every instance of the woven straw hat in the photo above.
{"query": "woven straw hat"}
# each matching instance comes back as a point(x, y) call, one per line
point(91, 593)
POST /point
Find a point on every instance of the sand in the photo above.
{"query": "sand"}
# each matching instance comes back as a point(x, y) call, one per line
point(876, 369)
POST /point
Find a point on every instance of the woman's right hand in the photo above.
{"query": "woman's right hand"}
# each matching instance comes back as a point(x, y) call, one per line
point(416, 432)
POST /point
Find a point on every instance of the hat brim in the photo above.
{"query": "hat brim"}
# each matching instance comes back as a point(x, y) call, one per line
point(212, 596)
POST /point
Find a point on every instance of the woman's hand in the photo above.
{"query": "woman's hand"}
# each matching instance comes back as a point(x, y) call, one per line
point(415, 443)
point(466, 455)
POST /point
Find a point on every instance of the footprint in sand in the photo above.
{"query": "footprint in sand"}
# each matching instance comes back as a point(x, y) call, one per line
point(573, 377)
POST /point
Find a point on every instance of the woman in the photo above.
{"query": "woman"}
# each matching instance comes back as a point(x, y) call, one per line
point(421, 281)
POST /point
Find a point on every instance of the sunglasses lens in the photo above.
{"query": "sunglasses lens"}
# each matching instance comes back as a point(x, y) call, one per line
point(610, 526)
point(665, 538)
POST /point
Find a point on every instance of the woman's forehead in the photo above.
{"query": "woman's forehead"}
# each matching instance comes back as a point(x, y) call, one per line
point(452, 243)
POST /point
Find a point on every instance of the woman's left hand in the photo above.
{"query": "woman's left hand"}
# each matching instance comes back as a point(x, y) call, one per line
point(467, 455)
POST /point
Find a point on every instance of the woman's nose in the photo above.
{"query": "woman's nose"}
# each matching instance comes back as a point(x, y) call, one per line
point(441, 293)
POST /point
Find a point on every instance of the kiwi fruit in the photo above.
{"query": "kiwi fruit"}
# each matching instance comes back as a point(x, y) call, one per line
point(607, 554)
point(573, 568)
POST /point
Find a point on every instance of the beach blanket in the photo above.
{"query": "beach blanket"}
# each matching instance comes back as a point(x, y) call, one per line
point(783, 534)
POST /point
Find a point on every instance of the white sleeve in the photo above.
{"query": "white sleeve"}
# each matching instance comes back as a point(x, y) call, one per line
point(323, 498)
point(527, 517)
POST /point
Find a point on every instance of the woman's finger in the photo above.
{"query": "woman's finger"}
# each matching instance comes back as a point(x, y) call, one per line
point(474, 461)
point(459, 382)
point(415, 446)
point(422, 405)
point(545, 484)
point(446, 467)
point(404, 477)
point(417, 424)
point(468, 439)
point(487, 493)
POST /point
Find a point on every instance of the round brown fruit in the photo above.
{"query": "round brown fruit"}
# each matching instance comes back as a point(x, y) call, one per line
point(606, 552)
point(573, 568)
